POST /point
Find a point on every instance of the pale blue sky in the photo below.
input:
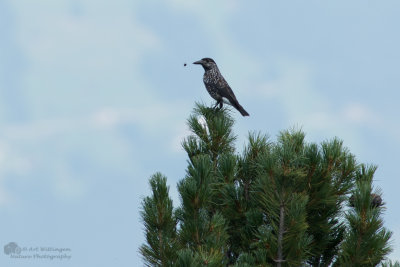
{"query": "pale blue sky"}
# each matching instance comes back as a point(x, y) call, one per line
point(94, 100)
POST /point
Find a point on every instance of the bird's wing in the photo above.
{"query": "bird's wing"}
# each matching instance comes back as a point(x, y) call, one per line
point(225, 90)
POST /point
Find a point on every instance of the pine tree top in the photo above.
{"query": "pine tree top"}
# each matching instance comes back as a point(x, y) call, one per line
point(278, 203)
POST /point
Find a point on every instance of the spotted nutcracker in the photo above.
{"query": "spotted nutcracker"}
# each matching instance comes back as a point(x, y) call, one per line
point(217, 87)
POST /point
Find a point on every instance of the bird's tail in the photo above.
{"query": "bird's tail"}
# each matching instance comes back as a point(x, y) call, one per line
point(241, 110)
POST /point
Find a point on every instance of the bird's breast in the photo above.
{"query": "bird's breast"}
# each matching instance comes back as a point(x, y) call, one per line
point(211, 82)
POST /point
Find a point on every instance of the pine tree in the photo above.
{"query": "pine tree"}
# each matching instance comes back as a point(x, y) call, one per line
point(367, 241)
point(282, 203)
point(160, 225)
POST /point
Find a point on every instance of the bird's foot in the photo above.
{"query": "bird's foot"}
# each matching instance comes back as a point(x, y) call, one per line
point(218, 107)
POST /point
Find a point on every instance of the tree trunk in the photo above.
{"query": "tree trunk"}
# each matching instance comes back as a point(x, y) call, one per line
point(280, 235)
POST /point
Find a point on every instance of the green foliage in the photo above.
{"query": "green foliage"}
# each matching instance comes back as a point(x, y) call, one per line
point(276, 204)
point(211, 133)
point(280, 177)
point(391, 264)
point(160, 225)
point(366, 242)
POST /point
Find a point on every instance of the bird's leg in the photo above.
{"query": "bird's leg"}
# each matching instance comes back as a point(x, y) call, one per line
point(219, 102)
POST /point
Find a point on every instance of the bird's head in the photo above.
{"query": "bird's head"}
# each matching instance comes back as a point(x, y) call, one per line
point(207, 63)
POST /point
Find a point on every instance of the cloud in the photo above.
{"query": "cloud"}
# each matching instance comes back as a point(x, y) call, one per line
point(5, 197)
point(358, 113)
point(147, 117)
point(294, 88)
point(226, 6)
point(69, 186)
point(96, 55)
point(83, 77)
point(99, 40)
point(220, 41)
point(107, 118)
point(19, 144)
point(294, 92)
point(11, 162)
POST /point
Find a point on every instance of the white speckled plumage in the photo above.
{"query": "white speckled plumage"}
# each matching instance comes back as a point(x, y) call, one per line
point(217, 87)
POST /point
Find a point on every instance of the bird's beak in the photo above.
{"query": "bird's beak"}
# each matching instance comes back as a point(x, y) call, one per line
point(198, 62)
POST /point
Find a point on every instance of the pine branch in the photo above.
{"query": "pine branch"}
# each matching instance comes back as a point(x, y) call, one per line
point(160, 225)
point(277, 204)
point(367, 241)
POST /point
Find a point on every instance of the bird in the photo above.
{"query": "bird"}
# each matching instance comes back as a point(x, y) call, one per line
point(376, 201)
point(217, 87)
